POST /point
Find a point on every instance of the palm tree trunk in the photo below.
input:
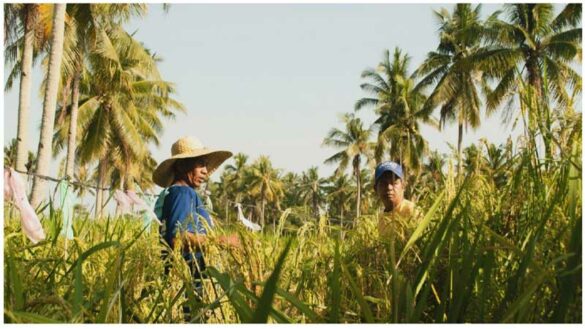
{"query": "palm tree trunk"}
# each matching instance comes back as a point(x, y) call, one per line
point(315, 207)
point(24, 92)
point(100, 192)
point(69, 167)
point(50, 102)
point(122, 188)
point(262, 207)
point(359, 187)
point(341, 220)
point(459, 140)
point(542, 115)
point(533, 75)
point(64, 100)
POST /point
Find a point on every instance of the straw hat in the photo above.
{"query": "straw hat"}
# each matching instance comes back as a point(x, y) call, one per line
point(187, 147)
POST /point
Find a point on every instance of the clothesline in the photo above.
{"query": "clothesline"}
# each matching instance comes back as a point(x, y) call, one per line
point(14, 189)
point(57, 180)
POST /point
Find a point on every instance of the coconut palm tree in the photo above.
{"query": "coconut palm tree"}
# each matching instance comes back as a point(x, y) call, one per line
point(496, 164)
point(236, 172)
point(434, 166)
point(50, 102)
point(451, 72)
point(230, 186)
point(291, 182)
point(368, 190)
point(339, 193)
point(221, 192)
point(263, 182)
point(473, 160)
point(122, 103)
point(311, 189)
point(355, 146)
point(399, 108)
point(538, 48)
point(25, 33)
point(91, 24)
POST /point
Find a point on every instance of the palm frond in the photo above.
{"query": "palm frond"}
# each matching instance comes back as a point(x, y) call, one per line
point(364, 102)
point(570, 16)
point(502, 90)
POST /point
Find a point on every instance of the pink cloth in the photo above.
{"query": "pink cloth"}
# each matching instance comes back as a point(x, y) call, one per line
point(31, 225)
point(124, 202)
point(7, 189)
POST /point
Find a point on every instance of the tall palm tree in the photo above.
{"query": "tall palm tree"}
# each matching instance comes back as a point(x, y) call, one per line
point(50, 102)
point(535, 47)
point(339, 193)
point(24, 28)
point(311, 189)
point(263, 181)
point(230, 186)
point(434, 166)
point(368, 190)
point(291, 182)
point(92, 22)
point(221, 192)
point(472, 159)
point(450, 70)
point(355, 145)
point(123, 100)
point(495, 164)
point(236, 172)
point(432, 176)
point(399, 108)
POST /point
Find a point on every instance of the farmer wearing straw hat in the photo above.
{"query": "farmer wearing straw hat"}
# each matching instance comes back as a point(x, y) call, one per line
point(180, 208)
point(389, 185)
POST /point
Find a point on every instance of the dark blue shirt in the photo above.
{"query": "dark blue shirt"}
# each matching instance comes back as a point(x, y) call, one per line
point(183, 210)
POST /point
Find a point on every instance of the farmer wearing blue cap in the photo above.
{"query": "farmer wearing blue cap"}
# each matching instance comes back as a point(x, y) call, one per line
point(389, 184)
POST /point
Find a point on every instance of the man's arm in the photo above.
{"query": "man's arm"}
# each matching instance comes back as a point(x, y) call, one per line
point(195, 241)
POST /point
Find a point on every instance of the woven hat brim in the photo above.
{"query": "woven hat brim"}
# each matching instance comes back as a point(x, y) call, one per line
point(164, 176)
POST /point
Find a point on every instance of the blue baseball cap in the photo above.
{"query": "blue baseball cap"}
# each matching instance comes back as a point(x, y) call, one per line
point(388, 166)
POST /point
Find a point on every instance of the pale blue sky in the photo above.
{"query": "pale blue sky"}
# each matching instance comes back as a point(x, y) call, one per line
point(272, 78)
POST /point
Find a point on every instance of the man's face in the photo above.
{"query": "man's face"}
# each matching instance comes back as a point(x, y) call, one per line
point(199, 173)
point(390, 189)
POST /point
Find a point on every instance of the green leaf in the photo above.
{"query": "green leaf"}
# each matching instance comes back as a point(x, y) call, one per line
point(314, 317)
point(367, 313)
point(78, 274)
point(265, 303)
point(422, 225)
point(231, 288)
point(26, 317)
point(334, 290)
point(15, 283)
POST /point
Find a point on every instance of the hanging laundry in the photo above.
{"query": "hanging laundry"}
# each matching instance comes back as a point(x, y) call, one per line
point(147, 215)
point(31, 225)
point(142, 206)
point(7, 190)
point(65, 203)
point(124, 203)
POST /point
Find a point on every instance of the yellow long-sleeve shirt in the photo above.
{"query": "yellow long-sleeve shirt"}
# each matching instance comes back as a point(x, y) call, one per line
point(400, 222)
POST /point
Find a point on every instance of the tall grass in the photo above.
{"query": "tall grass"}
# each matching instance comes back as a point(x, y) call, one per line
point(480, 254)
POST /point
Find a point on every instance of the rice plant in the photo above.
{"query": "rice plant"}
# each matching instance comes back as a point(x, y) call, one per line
point(481, 254)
